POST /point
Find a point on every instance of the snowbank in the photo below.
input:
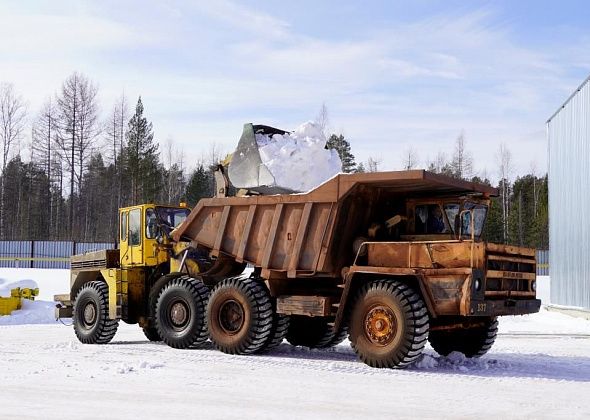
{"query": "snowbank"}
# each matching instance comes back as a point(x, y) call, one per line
point(41, 311)
point(50, 281)
point(32, 312)
point(6, 286)
point(299, 160)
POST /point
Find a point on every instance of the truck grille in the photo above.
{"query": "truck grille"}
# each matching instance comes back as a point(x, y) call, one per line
point(510, 275)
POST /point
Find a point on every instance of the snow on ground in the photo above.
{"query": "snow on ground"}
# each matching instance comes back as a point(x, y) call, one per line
point(538, 368)
point(299, 160)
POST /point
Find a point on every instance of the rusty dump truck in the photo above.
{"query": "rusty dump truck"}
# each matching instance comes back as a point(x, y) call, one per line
point(390, 260)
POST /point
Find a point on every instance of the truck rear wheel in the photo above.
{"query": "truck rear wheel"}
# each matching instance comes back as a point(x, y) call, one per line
point(315, 333)
point(240, 316)
point(279, 330)
point(180, 313)
point(388, 325)
point(91, 314)
point(472, 342)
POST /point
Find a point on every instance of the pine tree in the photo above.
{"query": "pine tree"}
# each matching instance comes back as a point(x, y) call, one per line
point(342, 146)
point(142, 159)
point(200, 185)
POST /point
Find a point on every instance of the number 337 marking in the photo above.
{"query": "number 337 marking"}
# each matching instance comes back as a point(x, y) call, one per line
point(481, 307)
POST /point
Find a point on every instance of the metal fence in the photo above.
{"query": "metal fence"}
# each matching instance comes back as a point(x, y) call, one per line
point(45, 254)
point(56, 254)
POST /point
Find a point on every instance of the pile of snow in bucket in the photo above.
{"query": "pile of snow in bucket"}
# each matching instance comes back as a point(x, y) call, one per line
point(299, 160)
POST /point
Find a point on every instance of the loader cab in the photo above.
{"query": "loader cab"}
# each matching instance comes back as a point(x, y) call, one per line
point(143, 229)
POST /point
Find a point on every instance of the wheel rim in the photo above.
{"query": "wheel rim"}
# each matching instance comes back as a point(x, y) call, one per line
point(231, 316)
point(380, 325)
point(89, 315)
point(179, 314)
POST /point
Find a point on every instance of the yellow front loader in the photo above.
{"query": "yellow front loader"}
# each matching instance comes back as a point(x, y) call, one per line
point(123, 284)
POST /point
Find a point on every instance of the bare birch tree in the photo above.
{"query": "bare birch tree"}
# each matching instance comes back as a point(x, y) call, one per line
point(322, 120)
point(373, 164)
point(410, 160)
point(44, 133)
point(462, 162)
point(12, 123)
point(78, 111)
point(504, 160)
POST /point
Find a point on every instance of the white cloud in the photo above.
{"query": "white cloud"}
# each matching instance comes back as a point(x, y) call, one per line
point(205, 69)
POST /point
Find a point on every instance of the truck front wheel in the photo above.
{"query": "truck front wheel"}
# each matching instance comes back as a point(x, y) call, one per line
point(180, 313)
point(91, 314)
point(240, 316)
point(389, 324)
point(472, 342)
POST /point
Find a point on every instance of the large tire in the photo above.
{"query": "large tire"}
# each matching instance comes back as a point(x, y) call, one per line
point(279, 330)
point(472, 342)
point(180, 313)
point(91, 314)
point(315, 333)
point(388, 325)
point(240, 316)
point(151, 333)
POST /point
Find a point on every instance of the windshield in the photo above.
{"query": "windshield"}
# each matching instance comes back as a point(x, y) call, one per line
point(429, 220)
point(479, 212)
point(172, 216)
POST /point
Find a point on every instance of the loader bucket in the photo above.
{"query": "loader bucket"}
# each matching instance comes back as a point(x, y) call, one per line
point(246, 169)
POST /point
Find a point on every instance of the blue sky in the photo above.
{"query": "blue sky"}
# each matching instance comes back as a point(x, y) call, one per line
point(393, 75)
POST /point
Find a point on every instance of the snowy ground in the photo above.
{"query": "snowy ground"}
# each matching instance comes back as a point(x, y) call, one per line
point(539, 368)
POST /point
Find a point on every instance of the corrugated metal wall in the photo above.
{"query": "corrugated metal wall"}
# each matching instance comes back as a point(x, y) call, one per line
point(542, 262)
point(44, 254)
point(568, 132)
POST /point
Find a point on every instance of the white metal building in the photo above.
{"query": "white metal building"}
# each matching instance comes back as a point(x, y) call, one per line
point(568, 132)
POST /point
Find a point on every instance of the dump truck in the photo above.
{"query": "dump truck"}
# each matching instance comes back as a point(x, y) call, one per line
point(391, 260)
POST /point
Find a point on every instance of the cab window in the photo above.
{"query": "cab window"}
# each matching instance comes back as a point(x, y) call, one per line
point(123, 225)
point(429, 219)
point(151, 225)
point(479, 212)
point(135, 227)
point(452, 210)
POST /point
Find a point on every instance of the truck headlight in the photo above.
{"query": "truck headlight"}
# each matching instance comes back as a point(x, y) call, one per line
point(477, 285)
point(534, 285)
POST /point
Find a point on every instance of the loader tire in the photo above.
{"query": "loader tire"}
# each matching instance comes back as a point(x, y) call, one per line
point(315, 333)
point(151, 333)
point(240, 316)
point(180, 313)
point(472, 342)
point(91, 314)
point(389, 324)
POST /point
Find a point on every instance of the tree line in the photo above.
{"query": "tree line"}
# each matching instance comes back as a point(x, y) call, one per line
point(83, 167)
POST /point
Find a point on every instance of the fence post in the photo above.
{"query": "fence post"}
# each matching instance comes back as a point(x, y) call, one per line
point(32, 253)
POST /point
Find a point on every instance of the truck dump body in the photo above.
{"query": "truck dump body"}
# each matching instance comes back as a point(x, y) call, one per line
point(304, 234)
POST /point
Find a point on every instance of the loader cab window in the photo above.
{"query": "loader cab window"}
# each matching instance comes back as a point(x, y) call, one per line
point(429, 219)
point(171, 216)
point(151, 224)
point(135, 227)
point(123, 226)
